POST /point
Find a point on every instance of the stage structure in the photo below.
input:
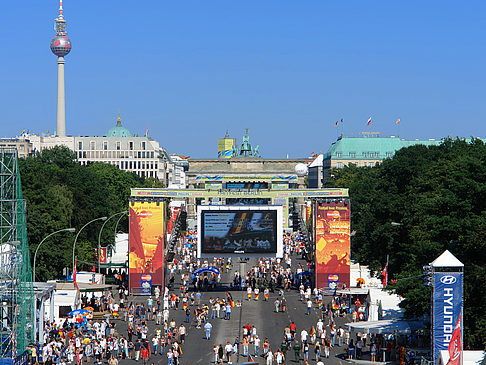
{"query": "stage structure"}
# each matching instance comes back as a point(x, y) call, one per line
point(17, 304)
point(245, 231)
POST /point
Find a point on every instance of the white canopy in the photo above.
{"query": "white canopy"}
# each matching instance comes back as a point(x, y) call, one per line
point(387, 326)
point(475, 357)
point(447, 260)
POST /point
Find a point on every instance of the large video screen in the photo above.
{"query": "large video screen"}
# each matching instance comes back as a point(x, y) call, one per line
point(240, 230)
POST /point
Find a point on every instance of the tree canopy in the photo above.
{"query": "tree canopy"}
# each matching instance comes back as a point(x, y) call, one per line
point(60, 193)
point(436, 197)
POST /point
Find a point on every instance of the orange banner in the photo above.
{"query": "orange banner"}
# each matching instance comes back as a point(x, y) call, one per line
point(146, 242)
point(332, 244)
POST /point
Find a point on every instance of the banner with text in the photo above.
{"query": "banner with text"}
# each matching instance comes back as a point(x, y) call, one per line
point(447, 304)
point(146, 243)
point(332, 229)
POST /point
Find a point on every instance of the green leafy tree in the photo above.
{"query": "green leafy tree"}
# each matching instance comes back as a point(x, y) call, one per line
point(437, 197)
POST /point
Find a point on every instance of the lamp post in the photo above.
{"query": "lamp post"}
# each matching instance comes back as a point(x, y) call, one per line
point(99, 236)
point(72, 230)
point(74, 245)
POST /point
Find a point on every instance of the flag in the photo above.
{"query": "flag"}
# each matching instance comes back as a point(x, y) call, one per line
point(398, 121)
point(455, 346)
point(336, 124)
point(384, 276)
point(74, 276)
point(369, 121)
point(146, 135)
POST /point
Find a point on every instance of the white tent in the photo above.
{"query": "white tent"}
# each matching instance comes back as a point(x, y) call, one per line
point(468, 357)
point(387, 326)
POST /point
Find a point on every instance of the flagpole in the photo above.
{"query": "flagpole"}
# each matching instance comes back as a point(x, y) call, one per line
point(386, 281)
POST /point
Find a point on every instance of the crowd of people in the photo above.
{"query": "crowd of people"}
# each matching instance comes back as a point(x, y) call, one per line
point(124, 334)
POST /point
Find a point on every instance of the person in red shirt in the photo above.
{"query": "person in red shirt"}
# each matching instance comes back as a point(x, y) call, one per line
point(292, 329)
point(145, 355)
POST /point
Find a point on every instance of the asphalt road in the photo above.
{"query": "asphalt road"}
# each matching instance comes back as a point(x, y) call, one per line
point(269, 324)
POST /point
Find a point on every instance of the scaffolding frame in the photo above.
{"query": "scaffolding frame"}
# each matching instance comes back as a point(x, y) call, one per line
point(16, 292)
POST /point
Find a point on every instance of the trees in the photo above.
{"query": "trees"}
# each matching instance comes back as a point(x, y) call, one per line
point(59, 194)
point(438, 195)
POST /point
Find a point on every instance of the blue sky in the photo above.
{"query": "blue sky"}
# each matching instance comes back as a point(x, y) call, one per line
point(287, 70)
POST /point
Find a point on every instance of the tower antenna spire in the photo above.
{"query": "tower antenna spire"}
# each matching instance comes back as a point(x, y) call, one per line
point(60, 9)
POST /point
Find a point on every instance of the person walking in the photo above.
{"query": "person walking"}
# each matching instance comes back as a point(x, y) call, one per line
point(208, 327)
point(297, 348)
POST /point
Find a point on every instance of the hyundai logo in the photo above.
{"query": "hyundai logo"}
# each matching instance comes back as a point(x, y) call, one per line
point(448, 279)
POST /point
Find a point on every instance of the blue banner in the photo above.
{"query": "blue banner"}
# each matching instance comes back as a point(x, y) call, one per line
point(447, 303)
point(212, 269)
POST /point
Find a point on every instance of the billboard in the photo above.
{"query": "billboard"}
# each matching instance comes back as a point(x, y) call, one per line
point(240, 230)
point(447, 307)
point(332, 229)
point(146, 243)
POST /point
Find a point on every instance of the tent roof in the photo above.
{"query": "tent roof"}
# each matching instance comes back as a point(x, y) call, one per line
point(317, 161)
point(447, 260)
point(387, 326)
point(475, 357)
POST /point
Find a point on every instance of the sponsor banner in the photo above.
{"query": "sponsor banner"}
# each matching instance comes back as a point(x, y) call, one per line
point(265, 193)
point(332, 281)
point(447, 307)
point(332, 229)
point(308, 213)
point(174, 211)
point(146, 243)
point(146, 284)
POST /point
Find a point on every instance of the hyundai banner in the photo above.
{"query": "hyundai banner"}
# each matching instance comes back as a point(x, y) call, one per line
point(447, 303)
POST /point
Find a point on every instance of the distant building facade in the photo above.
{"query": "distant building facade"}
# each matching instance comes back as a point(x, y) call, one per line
point(366, 151)
point(141, 155)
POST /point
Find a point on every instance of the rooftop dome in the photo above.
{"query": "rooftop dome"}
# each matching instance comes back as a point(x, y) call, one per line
point(118, 130)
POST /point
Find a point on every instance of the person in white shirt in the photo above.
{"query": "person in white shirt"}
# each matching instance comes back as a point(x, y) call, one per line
point(303, 336)
point(269, 357)
point(229, 350)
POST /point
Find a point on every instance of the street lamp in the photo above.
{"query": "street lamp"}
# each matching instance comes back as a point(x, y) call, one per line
point(99, 236)
point(74, 245)
point(395, 224)
point(72, 230)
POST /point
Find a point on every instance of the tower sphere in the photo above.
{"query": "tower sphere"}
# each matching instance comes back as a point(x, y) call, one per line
point(60, 45)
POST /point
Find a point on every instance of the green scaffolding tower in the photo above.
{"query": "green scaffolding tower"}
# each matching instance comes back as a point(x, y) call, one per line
point(16, 290)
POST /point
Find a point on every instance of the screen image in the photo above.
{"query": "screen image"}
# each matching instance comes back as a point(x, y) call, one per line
point(241, 231)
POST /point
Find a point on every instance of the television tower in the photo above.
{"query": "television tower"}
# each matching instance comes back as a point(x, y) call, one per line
point(60, 46)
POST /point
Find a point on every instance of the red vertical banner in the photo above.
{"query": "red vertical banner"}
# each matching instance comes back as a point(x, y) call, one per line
point(103, 255)
point(332, 230)
point(146, 243)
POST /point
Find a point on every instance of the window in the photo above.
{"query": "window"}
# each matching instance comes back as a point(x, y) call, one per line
point(340, 165)
point(92, 145)
point(364, 154)
point(352, 154)
point(105, 146)
point(143, 145)
point(339, 154)
point(389, 154)
point(364, 164)
point(152, 154)
point(143, 154)
point(118, 146)
point(371, 164)
point(156, 165)
point(130, 146)
point(80, 146)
